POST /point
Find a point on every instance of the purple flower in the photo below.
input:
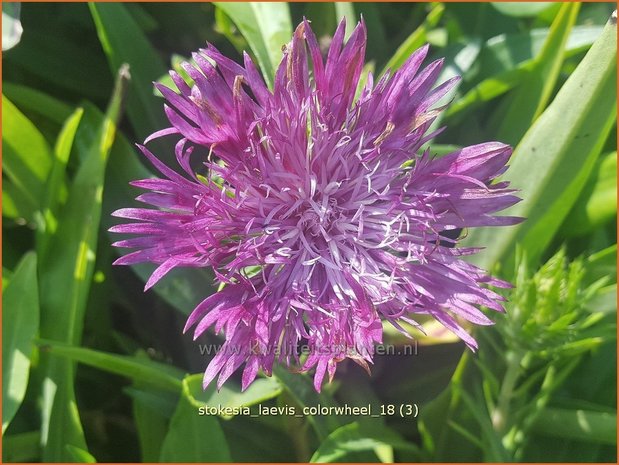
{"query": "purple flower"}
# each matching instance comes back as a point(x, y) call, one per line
point(314, 207)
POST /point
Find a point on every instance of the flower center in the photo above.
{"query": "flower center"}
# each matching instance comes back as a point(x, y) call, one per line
point(319, 217)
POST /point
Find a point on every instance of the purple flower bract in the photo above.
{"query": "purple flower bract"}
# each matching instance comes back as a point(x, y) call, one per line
point(316, 208)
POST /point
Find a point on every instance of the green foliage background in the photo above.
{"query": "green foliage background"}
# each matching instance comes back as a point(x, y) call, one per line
point(96, 370)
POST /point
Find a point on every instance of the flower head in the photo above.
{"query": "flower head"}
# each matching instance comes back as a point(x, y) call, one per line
point(314, 208)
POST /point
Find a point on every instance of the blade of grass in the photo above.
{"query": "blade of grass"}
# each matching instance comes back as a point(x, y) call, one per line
point(145, 371)
point(56, 188)
point(522, 9)
point(20, 323)
point(65, 281)
point(150, 422)
point(416, 39)
point(183, 288)
point(532, 95)
point(123, 42)
point(26, 158)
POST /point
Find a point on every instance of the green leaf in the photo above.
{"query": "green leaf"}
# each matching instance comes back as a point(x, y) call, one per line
point(259, 391)
point(80, 455)
point(352, 438)
point(26, 159)
point(582, 425)
point(224, 25)
point(56, 188)
point(183, 288)
point(507, 59)
point(487, 90)
point(602, 264)
point(123, 42)
point(597, 204)
point(522, 9)
point(416, 39)
point(507, 51)
point(556, 156)
point(346, 10)
point(145, 371)
point(166, 79)
point(45, 56)
point(7, 276)
point(253, 439)
point(20, 323)
point(11, 25)
point(267, 28)
point(605, 300)
point(459, 59)
point(193, 437)
point(66, 275)
point(302, 391)
point(152, 410)
point(14, 205)
point(34, 101)
point(22, 447)
point(533, 93)
point(151, 429)
point(446, 444)
point(162, 401)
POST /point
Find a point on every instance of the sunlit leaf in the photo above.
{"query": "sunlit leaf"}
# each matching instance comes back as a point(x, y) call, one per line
point(521, 9)
point(20, 323)
point(266, 26)
point(354, 439)
point(66, 275)
point(123, 42)
point(55, 187)
point(26, 158)
point(552, 163)
point(145, 371)
point(530, 98)
point(597, 203)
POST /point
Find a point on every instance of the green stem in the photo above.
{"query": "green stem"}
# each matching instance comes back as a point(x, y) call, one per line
point(501, 412)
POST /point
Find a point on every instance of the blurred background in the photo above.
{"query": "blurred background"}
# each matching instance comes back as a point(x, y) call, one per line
point(94, 369)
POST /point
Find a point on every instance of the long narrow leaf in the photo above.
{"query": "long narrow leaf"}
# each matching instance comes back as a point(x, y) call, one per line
point(266, 27)
point(556, 156)
point(145, 371)
point(26, 158)
point(416, 39)
point(193, 437)
point(55, 188)
point(123, 42)
point(533, 93)
point(20, 323)
point(65, 281)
